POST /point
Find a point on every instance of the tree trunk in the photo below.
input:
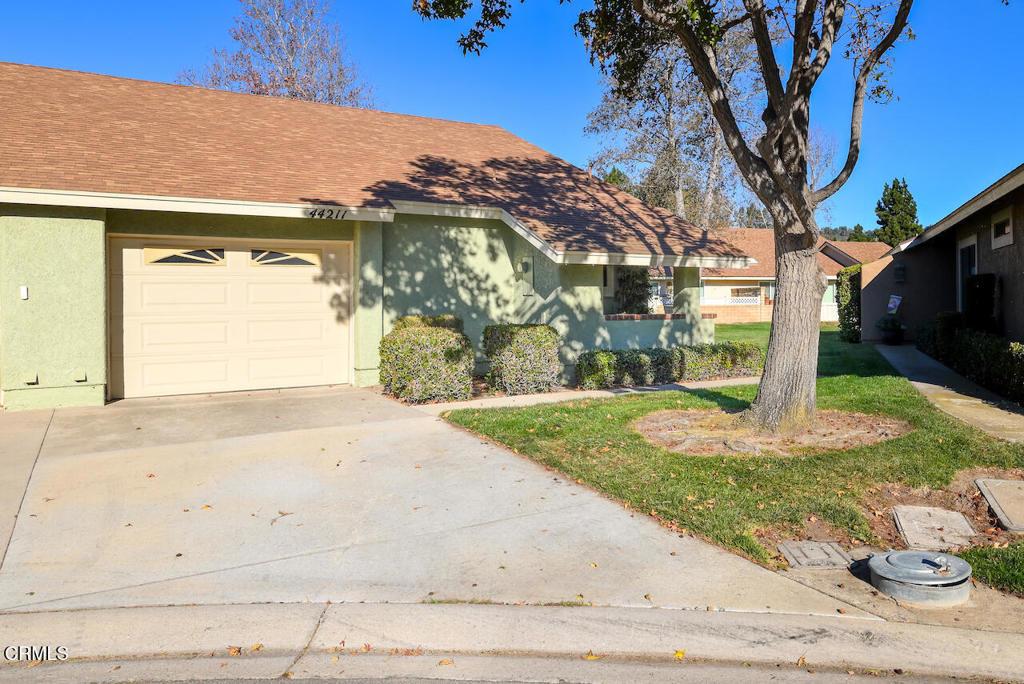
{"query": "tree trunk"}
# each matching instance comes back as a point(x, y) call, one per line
point(714, 167)
point(786, 396)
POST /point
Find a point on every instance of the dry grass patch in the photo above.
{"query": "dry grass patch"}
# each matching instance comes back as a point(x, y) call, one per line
point(696, 432)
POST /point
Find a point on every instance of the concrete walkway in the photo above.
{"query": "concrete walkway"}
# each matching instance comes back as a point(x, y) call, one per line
point(955, 394)
point(576, 395)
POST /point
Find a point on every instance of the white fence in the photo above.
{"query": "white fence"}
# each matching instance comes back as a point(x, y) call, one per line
point(731, 301)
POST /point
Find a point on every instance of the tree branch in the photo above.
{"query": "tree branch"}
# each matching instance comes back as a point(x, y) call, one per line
point(704, 64)
point(831, 23)
point(766, 53)
point(859, 91)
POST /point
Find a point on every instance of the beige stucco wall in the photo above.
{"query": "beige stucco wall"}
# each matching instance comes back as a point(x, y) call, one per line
point(928, 286)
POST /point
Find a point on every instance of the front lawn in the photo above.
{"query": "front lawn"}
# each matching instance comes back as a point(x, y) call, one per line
point(742, 501)
point(1003, 568)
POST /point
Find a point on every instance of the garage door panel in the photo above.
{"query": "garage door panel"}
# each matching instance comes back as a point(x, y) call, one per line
point(184, 328)
point(291, 331)
point(180, 293)
point(289, 293)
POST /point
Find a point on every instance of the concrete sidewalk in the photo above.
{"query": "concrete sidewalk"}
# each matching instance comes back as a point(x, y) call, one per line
point(352, 640)
point(576, 395)
point(955, 394)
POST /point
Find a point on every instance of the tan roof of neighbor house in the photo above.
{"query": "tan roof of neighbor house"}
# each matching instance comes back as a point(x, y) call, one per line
point(760, 244)
point(864, 252)
point(73, 131)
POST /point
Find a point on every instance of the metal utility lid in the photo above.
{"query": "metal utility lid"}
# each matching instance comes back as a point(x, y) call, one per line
point(926, 568)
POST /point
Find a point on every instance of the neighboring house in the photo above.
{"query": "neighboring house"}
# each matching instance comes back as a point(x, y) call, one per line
point(159, 239)
point(983, 235)
point(747, 295)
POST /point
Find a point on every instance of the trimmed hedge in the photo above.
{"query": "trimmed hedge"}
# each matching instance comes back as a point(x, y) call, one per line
point(420, 363)
point(990, 360)
point(596, 369)
point(601, 369)
point(524, 357)
point(450, 321)
point(720, 360)
point(848, 302)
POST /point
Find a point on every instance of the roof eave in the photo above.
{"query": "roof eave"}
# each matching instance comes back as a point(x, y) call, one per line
point(197, 205)
point(993, 193)
point(568, 257)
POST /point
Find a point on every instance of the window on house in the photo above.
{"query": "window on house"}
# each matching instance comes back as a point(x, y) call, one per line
point(1002, 228)
point(745, 292)
point(174, 255)
point(608, 281)
point(269, 257)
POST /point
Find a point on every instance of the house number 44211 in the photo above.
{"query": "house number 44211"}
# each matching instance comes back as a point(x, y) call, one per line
point(335, 213)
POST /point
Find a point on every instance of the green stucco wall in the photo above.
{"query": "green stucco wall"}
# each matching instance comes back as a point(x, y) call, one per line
point(53, 344)
point(472, 268)
point(480, 270)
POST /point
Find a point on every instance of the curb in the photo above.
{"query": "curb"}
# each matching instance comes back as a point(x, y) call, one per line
point(301, 638)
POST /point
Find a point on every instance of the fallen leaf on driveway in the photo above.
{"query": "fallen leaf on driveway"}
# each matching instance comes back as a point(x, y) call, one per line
point(234, 650)
point(207, 507)
point(151, 475)
point(680, 654)
point(590, 656)
point(280, 514)
point(801, 661)
point(593, 565)
point(445, 661)
point(256, 648)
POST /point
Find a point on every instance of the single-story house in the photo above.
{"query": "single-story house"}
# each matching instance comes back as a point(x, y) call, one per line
point(747, 295)
point(159, 239)
point(929, 271)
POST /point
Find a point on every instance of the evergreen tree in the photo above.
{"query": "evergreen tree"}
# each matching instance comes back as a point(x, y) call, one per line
point(897, 214)
point(860, 235)
point(618, 178)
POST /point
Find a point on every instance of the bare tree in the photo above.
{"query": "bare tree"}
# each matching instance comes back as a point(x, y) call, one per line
point(285, 48)
point(664, 133)
point(623, 35)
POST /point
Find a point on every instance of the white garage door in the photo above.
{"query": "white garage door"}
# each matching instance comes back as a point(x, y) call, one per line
point(216, 315)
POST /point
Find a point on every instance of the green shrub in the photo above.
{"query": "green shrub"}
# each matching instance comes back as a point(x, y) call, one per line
point(596, 369)
point(633, 290)
point(419, 363)
point(848, 301)
point(630, 367)
point(947, 324)
point(633, 367)
point(925, 339)
point(990, 360)
point(663, 365)
point(524, 358)
point(720, 360)
point(450, 321)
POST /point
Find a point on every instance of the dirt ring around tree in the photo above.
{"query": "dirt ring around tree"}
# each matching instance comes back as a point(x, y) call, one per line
point(696, 432)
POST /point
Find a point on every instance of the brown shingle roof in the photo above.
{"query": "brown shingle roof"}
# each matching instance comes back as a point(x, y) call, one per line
point(760, 244)
point(864, 252)
point(65, 130)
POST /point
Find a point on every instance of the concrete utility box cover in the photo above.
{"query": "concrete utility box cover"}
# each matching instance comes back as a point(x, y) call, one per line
point(1006, 498)
point(812, 554)
point(934, 529)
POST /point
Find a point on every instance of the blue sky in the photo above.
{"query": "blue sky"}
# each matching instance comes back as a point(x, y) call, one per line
point(956, 127)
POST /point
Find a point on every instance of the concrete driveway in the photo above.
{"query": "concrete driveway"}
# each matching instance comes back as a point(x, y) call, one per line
point(328, 495)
